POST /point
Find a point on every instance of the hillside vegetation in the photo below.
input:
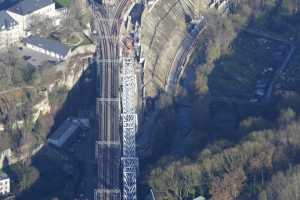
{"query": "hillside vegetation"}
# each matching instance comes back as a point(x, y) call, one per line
point(235, 149)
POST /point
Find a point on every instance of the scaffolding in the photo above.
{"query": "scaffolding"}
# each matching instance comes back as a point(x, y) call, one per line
point(130, 124)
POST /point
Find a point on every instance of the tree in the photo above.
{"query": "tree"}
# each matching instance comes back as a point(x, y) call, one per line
point(229, 186)
point(283, 186)
point(41, 25)
point(286, 116)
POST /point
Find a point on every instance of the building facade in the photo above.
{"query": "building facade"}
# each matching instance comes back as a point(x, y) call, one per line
point(10, 30)
point(4, 184)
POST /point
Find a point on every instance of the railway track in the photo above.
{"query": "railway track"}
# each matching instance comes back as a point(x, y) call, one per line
point(108, 146)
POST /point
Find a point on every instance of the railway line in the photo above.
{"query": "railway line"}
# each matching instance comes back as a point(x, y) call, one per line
point(107, 22)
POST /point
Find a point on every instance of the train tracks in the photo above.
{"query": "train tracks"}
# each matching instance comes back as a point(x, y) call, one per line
point(107, 22)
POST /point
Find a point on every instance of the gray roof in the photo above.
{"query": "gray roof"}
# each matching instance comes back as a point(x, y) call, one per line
point(47, 44)
point(6, 21)
point(3, 176)
point(68, 127)
point(28, 6)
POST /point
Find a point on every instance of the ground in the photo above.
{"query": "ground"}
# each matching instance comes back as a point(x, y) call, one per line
point(35, 58)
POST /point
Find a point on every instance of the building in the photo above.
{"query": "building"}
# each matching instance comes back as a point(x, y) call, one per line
point(46, 46)
point(9, 30)
point(15, 21)
point(23, 11)
point(4, 184)
point(66, 130)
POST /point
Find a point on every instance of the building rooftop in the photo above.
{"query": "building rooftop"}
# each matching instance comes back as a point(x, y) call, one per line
point(28, 6)
point(199, 198)
point(6, 21)
point(68, 126)
point(50, 45)
point(3, 176)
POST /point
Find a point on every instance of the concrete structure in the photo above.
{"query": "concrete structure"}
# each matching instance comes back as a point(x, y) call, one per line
point(4, 184)
point(5, 154)
point(46, 46)
point(9, 30)
point(66, 130)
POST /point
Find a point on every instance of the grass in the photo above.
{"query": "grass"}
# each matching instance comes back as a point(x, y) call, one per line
point(74, 40)
point(63, 3)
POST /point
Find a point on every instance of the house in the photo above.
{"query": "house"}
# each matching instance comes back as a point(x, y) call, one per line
point(4, 184)
point(46, 46)
point(23, 11)
point(9, 30)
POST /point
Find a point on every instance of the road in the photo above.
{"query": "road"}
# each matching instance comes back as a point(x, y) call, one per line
point(106, 22)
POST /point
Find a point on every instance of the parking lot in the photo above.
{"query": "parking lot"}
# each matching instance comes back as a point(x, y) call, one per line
point(35, 58)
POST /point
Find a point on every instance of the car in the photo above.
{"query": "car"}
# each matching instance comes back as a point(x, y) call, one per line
point(52, 62)
point(26, 57)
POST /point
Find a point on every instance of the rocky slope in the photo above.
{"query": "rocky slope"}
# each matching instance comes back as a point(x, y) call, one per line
point(22, 108)
point(163, 28)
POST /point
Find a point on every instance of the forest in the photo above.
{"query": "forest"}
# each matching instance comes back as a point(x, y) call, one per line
point(240, 145)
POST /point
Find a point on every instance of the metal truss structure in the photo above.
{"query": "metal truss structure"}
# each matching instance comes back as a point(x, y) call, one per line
point(130, 124)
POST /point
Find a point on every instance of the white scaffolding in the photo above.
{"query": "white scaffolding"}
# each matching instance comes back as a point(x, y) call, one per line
point(130, 124)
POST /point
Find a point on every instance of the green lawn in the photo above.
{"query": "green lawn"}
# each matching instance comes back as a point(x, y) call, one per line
point(64, 3)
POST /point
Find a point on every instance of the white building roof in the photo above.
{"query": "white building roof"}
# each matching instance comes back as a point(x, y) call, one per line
point(6, 21)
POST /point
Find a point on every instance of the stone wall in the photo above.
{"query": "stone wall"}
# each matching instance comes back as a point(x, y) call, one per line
point(162, 31)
